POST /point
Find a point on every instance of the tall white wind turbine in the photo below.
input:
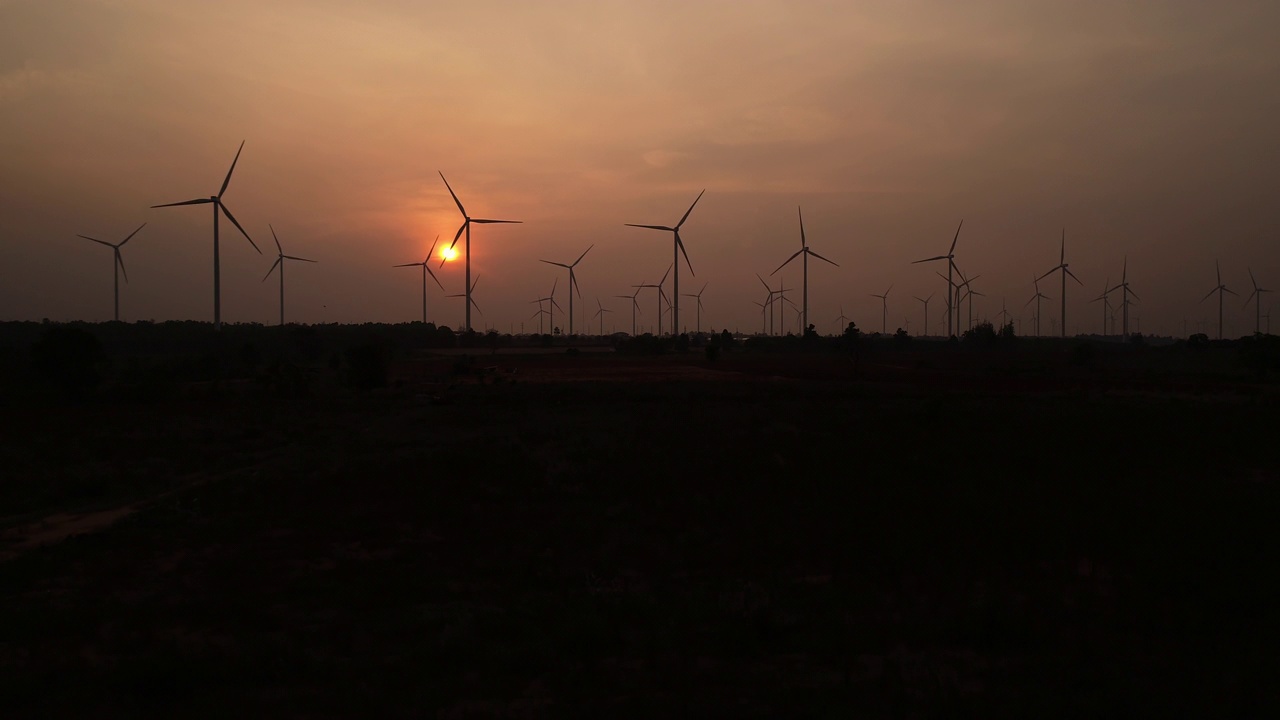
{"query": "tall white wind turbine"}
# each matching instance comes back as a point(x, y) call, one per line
point(675, 280)
point(806, 252)
point(426, 270)
point(280, 264)
point(117, 263)
point(466, 227)
point(1062, 266)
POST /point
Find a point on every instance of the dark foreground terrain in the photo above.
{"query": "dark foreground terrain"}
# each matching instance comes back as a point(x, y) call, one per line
point(646, 537)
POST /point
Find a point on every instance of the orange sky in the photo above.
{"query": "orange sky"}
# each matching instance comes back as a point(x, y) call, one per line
point(1145, 129)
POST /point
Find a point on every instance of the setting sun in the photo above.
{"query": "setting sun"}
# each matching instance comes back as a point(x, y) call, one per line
point(449, 253)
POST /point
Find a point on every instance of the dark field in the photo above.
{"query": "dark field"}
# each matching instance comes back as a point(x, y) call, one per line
point(595, 535)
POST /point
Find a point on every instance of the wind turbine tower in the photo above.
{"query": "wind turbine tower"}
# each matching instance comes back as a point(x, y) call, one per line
point(806, 252)
point(218, 208)
point(1063, 266)
point(280, 264)
point(117, 263)
point(675, 280)
point(466, 227)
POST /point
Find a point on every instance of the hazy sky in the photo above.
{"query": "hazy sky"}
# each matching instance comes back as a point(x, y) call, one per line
point(1146, 129)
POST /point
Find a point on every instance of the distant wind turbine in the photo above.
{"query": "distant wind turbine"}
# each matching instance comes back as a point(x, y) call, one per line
point(1256, 296)
point(1105, 298)
point(1220, 289)
point(842, 320)
point(117, 263)
point(552, 305)
point(675, 281)
point(661, 294)
point(426, 270)
point(600, 314)
point(925, 301)
point(1062, 265)
point(698, 296)
point(1124, 297)
point(951, 265)
point(806, 252)
point(573, 281)
point(884, 315)
point(635, 307)
point(1036, 299)
point(218, 205)
point(280, 264)
point(466, 227)
point(470, 297)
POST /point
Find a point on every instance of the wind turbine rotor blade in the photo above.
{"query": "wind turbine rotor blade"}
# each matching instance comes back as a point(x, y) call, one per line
point(492, 222)
point(1048, 274)
point(476, 305)
point(1255, 282)
point(680, 244)
point(940, 257)
point(408, 265)
point(686, 212)
point(455, 197)
point(227, 181)
point(1246, 300)
point(273, 268)
point(797, 254)
point(100, 242)
point(458, 234)
point(554, 263)
point(135, 232)
point(295, 257)
point(279, 249)
point(432, 251)
point(651, 227)
point(1218, 265)
point(235, 222)
point(1073, 276)
point(427, 267)
point(820, 257)
point(952, 251)
point(1233, 292)
point(1211, 292)
point(803, 243)
point(664, 275)
point(1134, 294)
point(120, 260)
point(197, 201)
point(765, 284)
point(584, 254)
point(555, 304)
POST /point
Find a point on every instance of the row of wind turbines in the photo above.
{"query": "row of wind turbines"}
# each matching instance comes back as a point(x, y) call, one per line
point(957, 291)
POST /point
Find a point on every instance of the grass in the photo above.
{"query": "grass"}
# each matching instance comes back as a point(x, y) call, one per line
point(795, 548)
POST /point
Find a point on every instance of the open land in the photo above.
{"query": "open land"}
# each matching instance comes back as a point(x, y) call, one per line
point(765, 534)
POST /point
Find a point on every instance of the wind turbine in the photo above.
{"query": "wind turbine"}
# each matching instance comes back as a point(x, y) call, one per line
point(573, 281)
point(675, 280)
point(280, 263)
point(698, 297)
point(661, 294)
point(1062, 265)
point(884, 315)
point(1256, 296)
point(806, 252)
point(552, 305)
point(1124, 296)
point(1220, 289)
point(466, 226)
point(1004, 313)
point(600, 314)
point(764, 326)
point(426, 270)
point(1036, 299)
point(635, 307)
point(926, 310)
point(842, 320)
point(471, 301)
point(117, 263)
point(218, 205)
point(951, 264)
point(1106, 306)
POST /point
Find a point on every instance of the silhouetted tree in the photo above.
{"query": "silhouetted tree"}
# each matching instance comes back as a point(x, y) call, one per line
point(901, 339)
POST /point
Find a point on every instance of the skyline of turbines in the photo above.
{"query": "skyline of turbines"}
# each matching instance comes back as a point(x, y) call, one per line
point(958, 292)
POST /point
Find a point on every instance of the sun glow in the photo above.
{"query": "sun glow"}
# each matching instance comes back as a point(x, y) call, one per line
point(449, 253)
